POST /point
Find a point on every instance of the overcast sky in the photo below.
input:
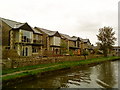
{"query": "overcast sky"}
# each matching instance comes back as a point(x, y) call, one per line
point(81, 18)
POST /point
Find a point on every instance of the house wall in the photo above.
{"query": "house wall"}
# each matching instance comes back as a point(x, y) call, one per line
point(51, 41)
point(28, 34)
point(20, 49)
point(37, 37)
point(0, 34)
point(12, 39)
point(45, 39)
point(72, 44)
point(87, 45)
point(116, 50)
point(64, 46)
point(37, 50)
point(16, 34)
point(55, 41)
point(5, 35)
point(78, 43)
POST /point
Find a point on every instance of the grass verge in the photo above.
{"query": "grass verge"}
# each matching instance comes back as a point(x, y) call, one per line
point(51, 67)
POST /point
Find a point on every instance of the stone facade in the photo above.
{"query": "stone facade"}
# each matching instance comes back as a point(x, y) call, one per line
point(51, 40)
point(28, 41)
point(5, 35)
point(116, 50)
point(19, 36)
point(21, 62)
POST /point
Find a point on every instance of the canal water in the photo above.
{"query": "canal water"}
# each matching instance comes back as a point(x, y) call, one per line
point(104, 75)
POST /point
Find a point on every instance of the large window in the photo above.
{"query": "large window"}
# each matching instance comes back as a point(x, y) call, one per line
point(26, 36)
point(78, 44)
point(74, 43)
point(56, 41)
point(34, 50)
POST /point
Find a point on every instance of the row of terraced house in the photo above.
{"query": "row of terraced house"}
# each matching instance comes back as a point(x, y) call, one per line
point(29, 41)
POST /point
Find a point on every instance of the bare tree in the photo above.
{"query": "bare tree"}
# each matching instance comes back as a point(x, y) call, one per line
point(106, 39)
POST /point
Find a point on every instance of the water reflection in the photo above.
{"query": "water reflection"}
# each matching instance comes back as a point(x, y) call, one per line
point(106, 77)
point(87, 77)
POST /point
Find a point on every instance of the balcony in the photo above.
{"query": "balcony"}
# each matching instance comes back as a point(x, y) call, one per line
point(26, 40)
point(37, 41)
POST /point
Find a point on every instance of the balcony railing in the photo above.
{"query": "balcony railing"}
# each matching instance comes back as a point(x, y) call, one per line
point(26, 40)
point(38, 41)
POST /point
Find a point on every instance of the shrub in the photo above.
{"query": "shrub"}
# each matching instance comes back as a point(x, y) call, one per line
point(71, 53)
point(85, 53)
point(10, 53)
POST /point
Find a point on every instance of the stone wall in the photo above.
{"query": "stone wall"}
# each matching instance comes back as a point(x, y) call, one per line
point(29, 61)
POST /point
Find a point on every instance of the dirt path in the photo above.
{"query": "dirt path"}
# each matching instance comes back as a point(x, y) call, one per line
point(27, 70)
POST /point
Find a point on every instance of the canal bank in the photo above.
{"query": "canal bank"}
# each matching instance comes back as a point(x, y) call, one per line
point(19, 74)
point(103, 75)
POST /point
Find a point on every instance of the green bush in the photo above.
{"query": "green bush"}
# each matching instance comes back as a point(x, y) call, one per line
point(85, 53)
point(71, 53)
point(10, 53)
point(99, 52)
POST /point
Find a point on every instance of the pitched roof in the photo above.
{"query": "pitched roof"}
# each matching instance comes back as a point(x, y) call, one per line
point(36, 31)
point(85, 40)
point(65, 36)
point(74, 38)
point(17, 25)
point(49, 32)
point(11, 23)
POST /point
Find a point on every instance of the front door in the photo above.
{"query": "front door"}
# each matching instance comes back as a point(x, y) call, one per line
point(56, 51)
point(25, 51)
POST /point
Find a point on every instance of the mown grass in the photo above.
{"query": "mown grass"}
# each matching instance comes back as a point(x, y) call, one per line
point(11, 70)
point(52, 66)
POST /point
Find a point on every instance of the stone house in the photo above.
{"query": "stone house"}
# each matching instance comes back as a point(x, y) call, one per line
point(116, 50)
point(74, 44)
point(37, 43)
point(86, 45)
point(51, 41)
point(17, 36)
point(28, 41)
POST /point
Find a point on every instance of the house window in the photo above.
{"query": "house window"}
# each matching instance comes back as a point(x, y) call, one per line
point(36, 37)
point(75, 43)
point(78, 44)
point(56, 41)
point(26, 36)
point(14, 47)
point(34, 50)
point(7, 47)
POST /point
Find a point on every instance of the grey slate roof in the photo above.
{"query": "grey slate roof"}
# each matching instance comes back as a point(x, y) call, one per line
point(12, 23)
point(18, 25)
point(66, 36)
point(74, 38)
point(85, 40)
point(49, 32)
point(36, 31)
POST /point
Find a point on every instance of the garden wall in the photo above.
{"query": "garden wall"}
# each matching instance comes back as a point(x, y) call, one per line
point(28, 61)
